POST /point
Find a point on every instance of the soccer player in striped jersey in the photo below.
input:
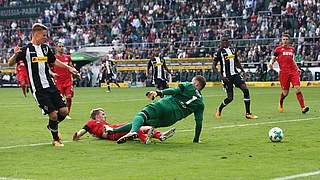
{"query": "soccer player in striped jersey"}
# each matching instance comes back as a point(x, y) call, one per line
point(228, 60)
point(37, 56)
point(158, 66)
point(108, 74)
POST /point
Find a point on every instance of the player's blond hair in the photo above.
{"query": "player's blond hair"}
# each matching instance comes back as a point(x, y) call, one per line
point(38, 27)
point(95, 112)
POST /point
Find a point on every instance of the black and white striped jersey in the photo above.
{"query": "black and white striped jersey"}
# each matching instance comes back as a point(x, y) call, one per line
point(37, 59)
point(109, 67)
point(227, 58)
point(157, 64)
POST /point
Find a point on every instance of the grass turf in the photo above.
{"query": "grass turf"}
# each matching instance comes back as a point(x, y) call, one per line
point(231, 148)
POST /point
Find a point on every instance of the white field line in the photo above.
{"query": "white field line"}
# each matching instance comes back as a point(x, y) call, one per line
point(28, 145)
point(256, 124)
point(298, 176)
point(8, 178)
point(186, 130)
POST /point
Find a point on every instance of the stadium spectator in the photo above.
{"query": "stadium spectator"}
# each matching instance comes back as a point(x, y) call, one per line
point(272, 75)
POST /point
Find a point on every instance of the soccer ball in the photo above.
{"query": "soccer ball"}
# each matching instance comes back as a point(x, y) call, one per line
point(276, 134)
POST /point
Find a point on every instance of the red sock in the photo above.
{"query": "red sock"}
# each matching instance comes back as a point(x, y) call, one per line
point(156, 134)
point(300, 99)
point(282, 97)
point(24, 88)
point(69, 102)
point(142, 136)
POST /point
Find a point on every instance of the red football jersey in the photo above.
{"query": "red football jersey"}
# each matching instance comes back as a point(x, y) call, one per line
point(21, 67)
point(285, 57)
point(96, 128)
point(63, 74)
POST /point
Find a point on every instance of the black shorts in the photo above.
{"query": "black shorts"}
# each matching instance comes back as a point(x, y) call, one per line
point(110, 77)
point(49, 99)
point(235, 80)
point(161, 84)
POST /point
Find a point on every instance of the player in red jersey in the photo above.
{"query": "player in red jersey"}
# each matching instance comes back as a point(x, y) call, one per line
point(22, 77)
point(289, 72)
point(97, 124)
point(63, 78)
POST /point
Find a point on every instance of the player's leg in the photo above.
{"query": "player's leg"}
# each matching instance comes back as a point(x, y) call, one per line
point(140, 119)
point(228, 86)
point(69, 94)
point(23, 87)
point(295, 79)
point(59, 104)
point(246, 99)
point(285, 85)
point(108, 86)
point(45, 103)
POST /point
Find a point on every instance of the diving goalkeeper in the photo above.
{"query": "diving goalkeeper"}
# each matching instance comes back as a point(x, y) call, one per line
point(178, 103)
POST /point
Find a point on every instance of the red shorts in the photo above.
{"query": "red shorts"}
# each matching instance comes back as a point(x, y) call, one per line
point(65, 89)
point(289, 77)
point(23, 77)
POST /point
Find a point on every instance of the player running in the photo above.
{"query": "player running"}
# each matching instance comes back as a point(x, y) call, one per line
point(158, 66)
point(63, 78)
point(22, 77)
point(227, 57)
point(96, 126)
point(108, 74)
point(179, 103)
point(289, 72)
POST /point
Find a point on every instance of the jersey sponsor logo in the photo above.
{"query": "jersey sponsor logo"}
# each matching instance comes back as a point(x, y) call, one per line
point(158, 64)
point(287, 53)
point(39, 59)
point(229, 56)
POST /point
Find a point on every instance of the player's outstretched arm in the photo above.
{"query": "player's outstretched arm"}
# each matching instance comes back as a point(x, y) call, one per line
point(77, 135)
point(70, 68)
point(198, 118)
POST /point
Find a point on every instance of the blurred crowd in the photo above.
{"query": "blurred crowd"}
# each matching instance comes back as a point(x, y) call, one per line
point(182, 28)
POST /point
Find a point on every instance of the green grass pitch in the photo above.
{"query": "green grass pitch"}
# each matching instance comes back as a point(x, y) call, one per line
point(231, 148)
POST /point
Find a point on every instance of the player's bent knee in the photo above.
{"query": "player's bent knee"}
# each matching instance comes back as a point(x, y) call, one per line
point(63, 111)
point(53, 116)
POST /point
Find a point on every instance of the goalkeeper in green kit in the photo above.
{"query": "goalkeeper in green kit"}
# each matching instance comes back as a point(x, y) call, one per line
point(175, 104)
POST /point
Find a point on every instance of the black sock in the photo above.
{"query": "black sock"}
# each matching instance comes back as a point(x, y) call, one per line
point(53, 127)
point(246, 99)
point(247, 104)
point(60, 117)
point(224, 103)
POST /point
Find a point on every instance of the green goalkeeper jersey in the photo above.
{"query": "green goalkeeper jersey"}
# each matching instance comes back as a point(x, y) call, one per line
point(178, 103)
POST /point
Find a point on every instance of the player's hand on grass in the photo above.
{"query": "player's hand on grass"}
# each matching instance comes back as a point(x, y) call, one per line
point(75, 137)
point(151, 95)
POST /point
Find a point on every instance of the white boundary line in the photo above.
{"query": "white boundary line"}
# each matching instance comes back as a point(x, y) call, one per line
point(8, 178)
point(28, 145)
point(298, 175)
point(187, 130)
point(256, 124)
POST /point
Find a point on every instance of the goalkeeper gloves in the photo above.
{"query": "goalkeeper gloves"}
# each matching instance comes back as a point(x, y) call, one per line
point(152, 94)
